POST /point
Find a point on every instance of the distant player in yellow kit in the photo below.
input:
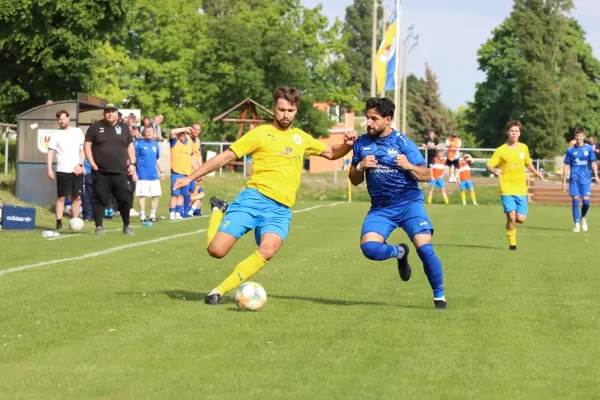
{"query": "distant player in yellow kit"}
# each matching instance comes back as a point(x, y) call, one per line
point(508, 163)
point(277, 156)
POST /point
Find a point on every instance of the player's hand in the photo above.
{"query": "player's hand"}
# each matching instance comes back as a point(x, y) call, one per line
point(498, 171)
point(51, 174)
point(539, 175)
point(181, 182)
point(135, 177)
point(95, 167)
point(77, 170)
point(162, 176)
point(368, 162)
point(198, 180)
point(564, 186)
point(131, 170)
point(403, 162)
point(350, 138)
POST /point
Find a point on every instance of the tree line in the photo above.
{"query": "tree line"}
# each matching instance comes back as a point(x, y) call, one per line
point(191, 60)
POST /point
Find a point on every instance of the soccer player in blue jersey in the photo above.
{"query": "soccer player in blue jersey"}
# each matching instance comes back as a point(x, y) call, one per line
point(578, 160)
point(393, 167)
point(147, 154)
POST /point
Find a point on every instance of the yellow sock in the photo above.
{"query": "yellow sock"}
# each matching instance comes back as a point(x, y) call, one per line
point(473, 198)
point(446, 199)
point(463, 196)
point(512, 237)
point(429, 198)
point(213, 225)
point(242, 272)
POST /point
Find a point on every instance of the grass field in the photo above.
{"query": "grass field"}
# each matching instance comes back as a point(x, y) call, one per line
point(118, 317)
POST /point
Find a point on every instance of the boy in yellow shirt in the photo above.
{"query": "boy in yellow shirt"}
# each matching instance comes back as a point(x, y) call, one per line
point(508, 163)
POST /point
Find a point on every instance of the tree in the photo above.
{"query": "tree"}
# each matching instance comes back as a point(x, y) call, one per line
point(427, 108)
point(539, 70)
point(47, 49)
point(358, 28)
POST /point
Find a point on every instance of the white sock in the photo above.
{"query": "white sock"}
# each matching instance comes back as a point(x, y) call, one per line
point(214, 291)
point(153, 214)
point(172, 215)
point(214, 208)
point(440, 298)
point(400, 251)
point(191, 212)
point(142, 215)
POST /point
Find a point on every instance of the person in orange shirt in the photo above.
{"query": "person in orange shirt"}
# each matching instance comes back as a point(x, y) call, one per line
point(453, 143)
point(572, 143)
point(464, 178)
point(438, 168)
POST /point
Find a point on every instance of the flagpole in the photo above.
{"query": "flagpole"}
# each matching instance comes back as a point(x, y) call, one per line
point(397, 72)
point(374, 49)
point(383, 31)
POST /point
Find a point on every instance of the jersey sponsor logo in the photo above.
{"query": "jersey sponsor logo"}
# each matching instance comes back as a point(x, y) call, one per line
point(297, 139)
point(392, 152)
point(585, 153)
point(580, 163)
point(271, 136)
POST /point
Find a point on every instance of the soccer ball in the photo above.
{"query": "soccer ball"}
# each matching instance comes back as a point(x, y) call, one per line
point(251, 296)
point(76, 224)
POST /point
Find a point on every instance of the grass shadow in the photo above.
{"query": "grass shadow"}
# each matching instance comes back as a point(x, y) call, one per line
point(470, 246)
point(541, 228)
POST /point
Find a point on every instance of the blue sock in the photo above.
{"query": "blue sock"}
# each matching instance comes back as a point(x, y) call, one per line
point(433, 269)
point(576, 210)
point(379, 251)
point(187, 199)
point(171, 210)
point(585, 208)
point(179, 209)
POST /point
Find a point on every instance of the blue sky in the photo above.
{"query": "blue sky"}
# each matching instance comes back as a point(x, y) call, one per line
point(451, 32)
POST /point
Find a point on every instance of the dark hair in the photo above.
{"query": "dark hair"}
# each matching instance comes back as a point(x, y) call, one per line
point(287, 93)
point(512, 123)
point(580, 130)
point(384, 107)
point(61, 112)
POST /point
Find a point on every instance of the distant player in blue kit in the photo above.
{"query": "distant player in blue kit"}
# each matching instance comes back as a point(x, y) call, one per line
point(394, 166)
point(149, 172)
point(578, 160)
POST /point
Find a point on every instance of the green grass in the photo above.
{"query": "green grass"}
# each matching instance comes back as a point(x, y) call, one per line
point(132, 324)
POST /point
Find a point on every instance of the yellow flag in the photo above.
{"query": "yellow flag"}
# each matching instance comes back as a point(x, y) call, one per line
point(387, 51)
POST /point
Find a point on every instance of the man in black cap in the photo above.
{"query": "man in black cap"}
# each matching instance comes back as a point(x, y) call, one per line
point(108, 148)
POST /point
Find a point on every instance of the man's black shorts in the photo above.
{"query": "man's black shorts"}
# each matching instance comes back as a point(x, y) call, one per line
point(450, 163)
point(69, 184)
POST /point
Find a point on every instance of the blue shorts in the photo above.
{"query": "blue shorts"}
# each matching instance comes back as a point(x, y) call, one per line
point(466, 185)
point(580, 189)
point(512, 203)
point(252, 210)
point(185, 189)
point(437, 183)
point(411, 217)
point(195, 188)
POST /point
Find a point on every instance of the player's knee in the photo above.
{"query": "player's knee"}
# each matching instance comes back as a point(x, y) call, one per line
point(267, 251)
point(426, 252)
point(520, 219)
point(374, 251)
point(216, 251)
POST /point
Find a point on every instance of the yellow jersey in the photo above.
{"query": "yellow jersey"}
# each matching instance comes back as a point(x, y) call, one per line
point(512, 161)
point(277, 160)
point(181, 155)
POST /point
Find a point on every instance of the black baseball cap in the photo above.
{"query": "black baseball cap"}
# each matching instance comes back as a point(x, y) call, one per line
point(111, 106)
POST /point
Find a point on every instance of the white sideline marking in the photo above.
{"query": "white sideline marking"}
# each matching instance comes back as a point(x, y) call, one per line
point(126, 246)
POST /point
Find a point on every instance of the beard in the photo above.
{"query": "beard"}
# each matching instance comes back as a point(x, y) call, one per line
point(374, 133)
point(283, 123)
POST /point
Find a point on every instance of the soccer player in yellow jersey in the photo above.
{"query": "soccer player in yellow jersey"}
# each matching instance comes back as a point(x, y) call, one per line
point(277, 154)
point(508, 163)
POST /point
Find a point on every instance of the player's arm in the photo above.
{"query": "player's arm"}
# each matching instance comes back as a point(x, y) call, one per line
point(492, 164)
point(412, 161)
point(87, 149)
point(566, 172)
point(534, 171)
point(176, 131)
point(132, 159)
point(333, 152)
point(221, 160)
point(595, 170)
point(49, 159)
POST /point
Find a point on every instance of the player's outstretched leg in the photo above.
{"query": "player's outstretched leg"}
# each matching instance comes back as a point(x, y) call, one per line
point(270, 243)
point(432, 267)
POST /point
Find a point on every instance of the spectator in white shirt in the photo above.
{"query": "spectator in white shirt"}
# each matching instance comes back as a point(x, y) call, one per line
point(67, 143)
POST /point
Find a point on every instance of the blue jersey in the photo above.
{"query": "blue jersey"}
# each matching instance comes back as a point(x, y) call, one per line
point(579, 158)
point(388, 184)
point(146, 154)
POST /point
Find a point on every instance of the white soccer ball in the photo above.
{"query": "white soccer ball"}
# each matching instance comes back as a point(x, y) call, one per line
point(250, 296)
point(76, 224)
